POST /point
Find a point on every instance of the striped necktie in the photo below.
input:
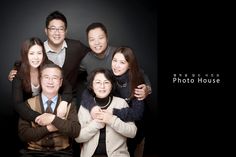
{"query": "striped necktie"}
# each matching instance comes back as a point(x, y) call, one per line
point(49, 108)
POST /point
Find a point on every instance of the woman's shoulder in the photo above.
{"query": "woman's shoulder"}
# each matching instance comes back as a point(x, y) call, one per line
point(116, 98)
point(119, 102)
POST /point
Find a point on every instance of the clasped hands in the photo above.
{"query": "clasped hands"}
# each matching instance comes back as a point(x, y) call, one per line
point(46, 119)
point(101, 115)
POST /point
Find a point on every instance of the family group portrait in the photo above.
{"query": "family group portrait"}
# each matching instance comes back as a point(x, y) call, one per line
point(79, 78)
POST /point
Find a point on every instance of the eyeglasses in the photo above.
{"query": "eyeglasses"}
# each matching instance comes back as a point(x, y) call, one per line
point(100, 83)
point(54, 29)
point(53, 78)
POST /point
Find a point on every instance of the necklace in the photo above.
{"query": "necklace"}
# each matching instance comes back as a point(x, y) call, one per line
point(105, 106)
point(121, 85)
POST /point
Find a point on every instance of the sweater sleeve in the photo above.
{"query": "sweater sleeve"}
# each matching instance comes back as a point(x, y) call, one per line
point(132, 113)
point(89, 127)
point(147, 81)
point(66, 91)
point(87, 100)
point(28, 133)
point(19, 105)
point(69, 126)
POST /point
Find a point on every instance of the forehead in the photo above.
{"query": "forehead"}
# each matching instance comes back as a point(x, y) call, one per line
point(120, 56)
point(56, 22)
point(100, 76)
point(97, 30)
point(35, 48)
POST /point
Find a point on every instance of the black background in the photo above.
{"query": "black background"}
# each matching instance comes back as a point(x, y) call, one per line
point(132, 23)
point(192, 39)
point(170, 37)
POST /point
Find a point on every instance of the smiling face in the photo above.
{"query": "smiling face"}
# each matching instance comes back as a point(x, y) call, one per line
point(51, 81)
point(101, 86)
point(119, 64)
point(97, 40)
point(35, 56)
point(56, 32)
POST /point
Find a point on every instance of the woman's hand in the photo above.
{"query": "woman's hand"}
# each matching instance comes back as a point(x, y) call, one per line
point(12, 74)
point(62, 109)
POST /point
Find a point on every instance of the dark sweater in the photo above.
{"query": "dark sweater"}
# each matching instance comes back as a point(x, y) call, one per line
point(75, 51)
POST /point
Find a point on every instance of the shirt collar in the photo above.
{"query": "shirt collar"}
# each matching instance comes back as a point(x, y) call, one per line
point(45, 99)
point(48, 48)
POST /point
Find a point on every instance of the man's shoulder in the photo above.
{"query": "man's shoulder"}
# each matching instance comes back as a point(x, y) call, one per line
point(34, 98)
point(112, 47)
point(32, 102)
point(76, 44)
point(72, 41)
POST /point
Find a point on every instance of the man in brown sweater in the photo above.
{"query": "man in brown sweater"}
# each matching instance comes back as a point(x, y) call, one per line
point(49, 135)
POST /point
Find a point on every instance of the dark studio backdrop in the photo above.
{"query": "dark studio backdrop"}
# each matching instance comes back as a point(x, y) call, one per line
point(193, 46)
point(132, 23)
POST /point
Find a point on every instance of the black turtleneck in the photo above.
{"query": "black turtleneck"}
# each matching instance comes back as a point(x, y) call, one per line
point(103, 102)
point(123, 85)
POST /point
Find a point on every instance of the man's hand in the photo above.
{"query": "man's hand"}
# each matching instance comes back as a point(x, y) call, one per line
point(45, 119)
point(12, 74)
point(142, 91)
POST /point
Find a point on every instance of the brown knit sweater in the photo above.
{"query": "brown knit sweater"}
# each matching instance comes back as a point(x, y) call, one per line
point(39, 138)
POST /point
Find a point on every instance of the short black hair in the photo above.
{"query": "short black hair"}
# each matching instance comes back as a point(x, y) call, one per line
point(51, 65)
point(107, 73)
point(96, 25)
point(56, 15)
